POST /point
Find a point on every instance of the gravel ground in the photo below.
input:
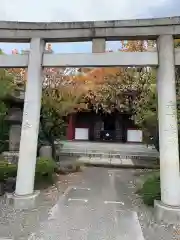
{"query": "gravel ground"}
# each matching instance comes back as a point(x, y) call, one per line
point(18, 224)
point(151, 230)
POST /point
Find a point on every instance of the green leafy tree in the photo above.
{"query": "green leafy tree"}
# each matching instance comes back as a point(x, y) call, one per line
point(146, 114)
point(59, 99)
point(6, 89)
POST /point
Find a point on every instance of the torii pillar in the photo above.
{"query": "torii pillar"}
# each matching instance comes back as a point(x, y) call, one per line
point(30, 127)
point(168, 209)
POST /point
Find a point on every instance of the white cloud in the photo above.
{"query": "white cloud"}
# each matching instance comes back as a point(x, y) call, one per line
point(80, 10)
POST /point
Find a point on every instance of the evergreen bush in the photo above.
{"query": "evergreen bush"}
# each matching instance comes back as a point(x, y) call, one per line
point(150, 190)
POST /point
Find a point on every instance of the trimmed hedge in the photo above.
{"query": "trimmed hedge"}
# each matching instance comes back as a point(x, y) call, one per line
point(150, 190)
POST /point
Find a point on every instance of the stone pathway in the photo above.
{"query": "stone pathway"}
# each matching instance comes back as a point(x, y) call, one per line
point(18, 225)
point(101, 205)
point(92, 210)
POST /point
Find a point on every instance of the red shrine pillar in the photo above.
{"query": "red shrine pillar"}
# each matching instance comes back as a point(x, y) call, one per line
point(71, 127)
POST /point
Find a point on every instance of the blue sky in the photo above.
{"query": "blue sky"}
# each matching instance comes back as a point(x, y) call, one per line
point(79, 47)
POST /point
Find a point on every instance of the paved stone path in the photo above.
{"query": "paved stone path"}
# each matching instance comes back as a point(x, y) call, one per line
point(93, 210)
point(101, 205)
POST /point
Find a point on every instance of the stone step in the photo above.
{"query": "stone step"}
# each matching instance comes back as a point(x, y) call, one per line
point(109, 162)
point(135, 155)
point(104, 149)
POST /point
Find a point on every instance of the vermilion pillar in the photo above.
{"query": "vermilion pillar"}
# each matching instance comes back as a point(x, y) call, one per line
point(71, 127)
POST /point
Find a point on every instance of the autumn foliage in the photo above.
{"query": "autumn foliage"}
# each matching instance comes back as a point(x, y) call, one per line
point(105, 88)
point(115, 88)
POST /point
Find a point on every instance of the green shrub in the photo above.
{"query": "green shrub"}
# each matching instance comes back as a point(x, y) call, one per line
point(7, 170)
point(45, 169)
point(150, 190)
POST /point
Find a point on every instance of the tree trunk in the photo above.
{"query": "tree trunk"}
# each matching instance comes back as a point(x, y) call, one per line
point(48, 135)
point(51, 141)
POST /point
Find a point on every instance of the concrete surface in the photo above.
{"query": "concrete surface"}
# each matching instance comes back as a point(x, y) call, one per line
point(92, 211)
point(98, 204)
point(105, 59)
point(109, 154)
point(117, 162)
point(85, 31)
point(108, 147)
point(88, 59)
point(166, 213)
point(99, 45)
point(168, 123)
point(31, 118)
point(22, 202)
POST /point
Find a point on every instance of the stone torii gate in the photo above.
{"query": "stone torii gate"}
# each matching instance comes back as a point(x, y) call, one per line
point(165, 58)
